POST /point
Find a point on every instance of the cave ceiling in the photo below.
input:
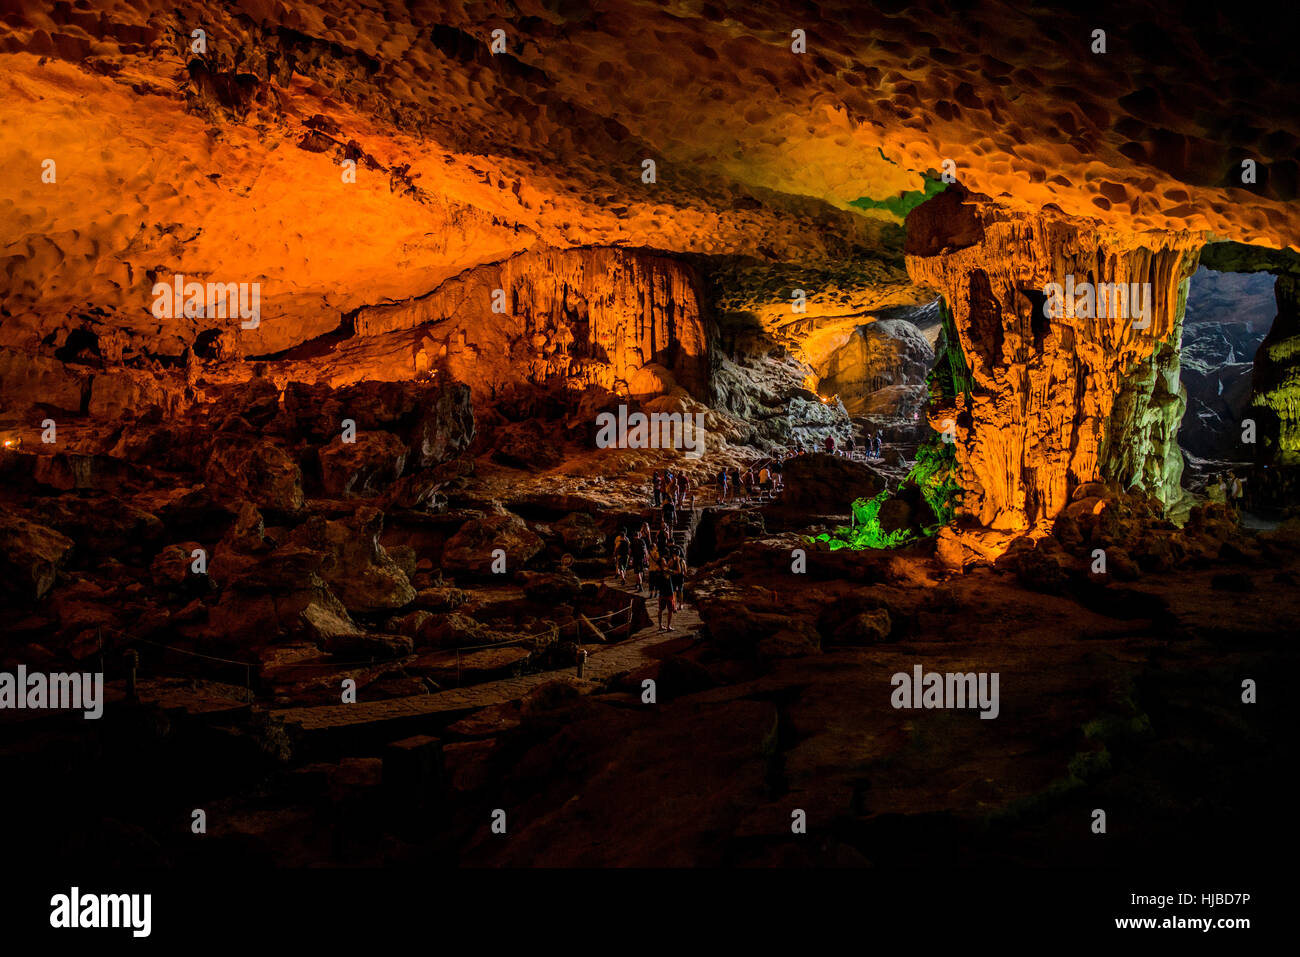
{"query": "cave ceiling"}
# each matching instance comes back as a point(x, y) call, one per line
point(228, 164)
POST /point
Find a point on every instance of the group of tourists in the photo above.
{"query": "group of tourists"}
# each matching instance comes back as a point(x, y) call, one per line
point(759, 479)
point(872, 446)
point(667, 486)
point(1228, 488)
point(657, 561)
point(655, 558)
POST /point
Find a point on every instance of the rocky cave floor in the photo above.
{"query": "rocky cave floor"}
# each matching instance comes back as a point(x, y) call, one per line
point(1120, 691)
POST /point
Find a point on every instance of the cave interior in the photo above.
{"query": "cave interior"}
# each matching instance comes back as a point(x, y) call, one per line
point(311, 315)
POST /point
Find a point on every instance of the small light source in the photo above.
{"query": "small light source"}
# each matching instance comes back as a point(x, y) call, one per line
point(12, 443)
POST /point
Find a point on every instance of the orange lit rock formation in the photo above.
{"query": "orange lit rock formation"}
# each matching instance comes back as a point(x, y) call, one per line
point(1055, 402)
point(584, 316)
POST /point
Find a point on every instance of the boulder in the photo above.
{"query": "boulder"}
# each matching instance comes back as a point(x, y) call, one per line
point(355, 566)
point(435, 420)
point(417, 491)
point(255, 470)
point(405, 558)
point(30, 556)
point(788, 643)
point(528, 445)
point(864, 628)
point(103, 525)
point(370, 646)
point(826, 484)
point(458, 631)
point(409, 624)
point(959, 547)
point(722, 530)
point(247, 533)
point(444, 427)
point(470, 549)
point(579, 534)
point(326, 626)
point(171, 567)
point(255, 402)
point(440, 599)
point(550, 587)
point(364, 467)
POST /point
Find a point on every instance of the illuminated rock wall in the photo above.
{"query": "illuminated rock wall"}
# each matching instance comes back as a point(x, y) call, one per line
point(579, 316)
point(1061, 401)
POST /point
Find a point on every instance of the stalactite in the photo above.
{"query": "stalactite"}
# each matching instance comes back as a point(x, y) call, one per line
point(1056, 401)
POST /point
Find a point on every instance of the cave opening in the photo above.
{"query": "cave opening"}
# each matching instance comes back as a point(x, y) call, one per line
point(1227, 318)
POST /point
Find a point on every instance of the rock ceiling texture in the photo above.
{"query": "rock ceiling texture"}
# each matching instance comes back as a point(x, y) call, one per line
point(226, 165)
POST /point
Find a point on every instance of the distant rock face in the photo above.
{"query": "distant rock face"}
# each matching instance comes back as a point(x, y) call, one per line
point(1274, 406)
point(1055, 401)
point(879, 374)
point(1228, 315)
point(579, 316)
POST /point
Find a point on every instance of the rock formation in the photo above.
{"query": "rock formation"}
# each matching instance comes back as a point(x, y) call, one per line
point(1055, 401)
point(579, 317)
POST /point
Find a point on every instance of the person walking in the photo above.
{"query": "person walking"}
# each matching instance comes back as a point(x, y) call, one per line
point(622, 555)
point(640, 559)
point(669, 565)
point(679, 576)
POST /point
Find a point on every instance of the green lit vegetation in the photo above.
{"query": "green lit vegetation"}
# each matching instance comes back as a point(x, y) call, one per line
point(866, 531)
point(933, 474)
point(903, 203)
point(950, 377)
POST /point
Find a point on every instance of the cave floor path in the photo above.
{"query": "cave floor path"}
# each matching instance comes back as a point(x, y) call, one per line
point(603, 662)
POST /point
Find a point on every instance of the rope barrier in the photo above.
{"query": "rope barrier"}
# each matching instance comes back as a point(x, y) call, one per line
point(182, 651)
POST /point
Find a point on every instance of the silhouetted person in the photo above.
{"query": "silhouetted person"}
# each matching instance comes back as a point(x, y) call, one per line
point(640, 558)
point(622, 555)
